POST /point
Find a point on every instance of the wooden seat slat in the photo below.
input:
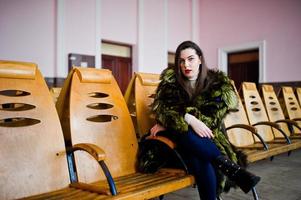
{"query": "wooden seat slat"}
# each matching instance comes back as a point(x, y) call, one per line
point(142, 183)
point(53, 195)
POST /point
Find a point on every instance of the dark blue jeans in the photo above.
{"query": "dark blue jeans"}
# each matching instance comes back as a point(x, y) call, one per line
point(199, 153)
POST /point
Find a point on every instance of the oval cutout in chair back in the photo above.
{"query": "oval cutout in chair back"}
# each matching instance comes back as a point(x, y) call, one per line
point(271, 97)
point(252, 96)
point(254, 102)
point(274, 109)
point(16, 106)
point(102, 118)
point(100, 106)
point(18, 122)
point(272, 103)
point(255, 109)
point(14, 93)
point(98, 95)
point(293, 108)
point(292, 103)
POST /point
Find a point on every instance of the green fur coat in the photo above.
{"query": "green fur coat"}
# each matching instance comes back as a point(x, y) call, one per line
point(211, 106)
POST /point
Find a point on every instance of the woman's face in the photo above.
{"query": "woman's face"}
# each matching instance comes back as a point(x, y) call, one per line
point(189, 63)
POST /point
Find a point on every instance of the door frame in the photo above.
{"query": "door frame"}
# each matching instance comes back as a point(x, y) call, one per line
point(260, 45)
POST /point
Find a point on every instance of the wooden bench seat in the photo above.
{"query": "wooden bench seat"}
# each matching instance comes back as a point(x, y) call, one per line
point(258, 117)
point(33, 154)
point(251, 140)
point(243, 136)
point(135, 186)
point(92, 109)
point(292, 106)
point(139, 96)
point(276, 114)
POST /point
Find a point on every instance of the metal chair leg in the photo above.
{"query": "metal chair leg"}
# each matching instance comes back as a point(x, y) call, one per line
point(255, 195)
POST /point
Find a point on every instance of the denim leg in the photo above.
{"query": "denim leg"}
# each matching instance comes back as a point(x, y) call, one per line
point(202, 148)
point(199, 153)
point(205, 178)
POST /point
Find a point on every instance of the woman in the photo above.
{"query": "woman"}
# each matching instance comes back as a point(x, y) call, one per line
point(191, 103)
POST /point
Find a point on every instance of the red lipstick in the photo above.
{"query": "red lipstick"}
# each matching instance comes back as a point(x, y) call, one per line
point(187, 71)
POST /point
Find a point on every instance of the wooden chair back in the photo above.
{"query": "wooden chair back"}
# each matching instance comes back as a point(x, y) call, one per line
point(298, 91)
point(145, 90)
point(31, 139)
point(238, 116)
point(274, 109)
point(98, 115)
point(256, 111)
point(291, 104)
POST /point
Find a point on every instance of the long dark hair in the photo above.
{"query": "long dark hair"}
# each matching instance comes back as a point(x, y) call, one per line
point(203, 69)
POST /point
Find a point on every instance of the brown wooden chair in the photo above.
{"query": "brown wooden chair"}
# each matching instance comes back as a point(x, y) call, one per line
point(92, 109)
point(139, 97)
point(292, 106)
point(243, 136)
point(258, 117)
point(275, 114)
point(33, 155)
point(298, 91)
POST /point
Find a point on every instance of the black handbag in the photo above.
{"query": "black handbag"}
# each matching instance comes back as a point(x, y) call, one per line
point(154, 154)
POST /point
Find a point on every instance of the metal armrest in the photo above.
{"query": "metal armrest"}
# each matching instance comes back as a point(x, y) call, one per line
point(99, 155)
point(92, 149)
point(290, 122)
point(253, 130)
point(276, 126)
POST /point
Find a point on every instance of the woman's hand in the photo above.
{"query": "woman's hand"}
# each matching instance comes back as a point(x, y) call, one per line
point(198, 126)
point(155, 129)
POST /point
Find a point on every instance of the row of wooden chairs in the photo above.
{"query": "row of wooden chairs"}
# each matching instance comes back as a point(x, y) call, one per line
point(253, 128)
point(248, 127)
point(86, 148)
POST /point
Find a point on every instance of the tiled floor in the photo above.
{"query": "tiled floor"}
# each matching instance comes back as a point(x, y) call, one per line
point(280, 180)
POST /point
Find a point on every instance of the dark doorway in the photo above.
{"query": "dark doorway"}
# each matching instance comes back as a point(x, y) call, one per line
point(121, 69)
point(119, 64)
point(244, 66)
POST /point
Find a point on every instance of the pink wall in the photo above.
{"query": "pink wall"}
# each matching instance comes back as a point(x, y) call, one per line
point(27, 32)
point(234, 22)
point(119, 20)
point(154, 44)
point(45, 32)
point(179, 23)
point(79, 29)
